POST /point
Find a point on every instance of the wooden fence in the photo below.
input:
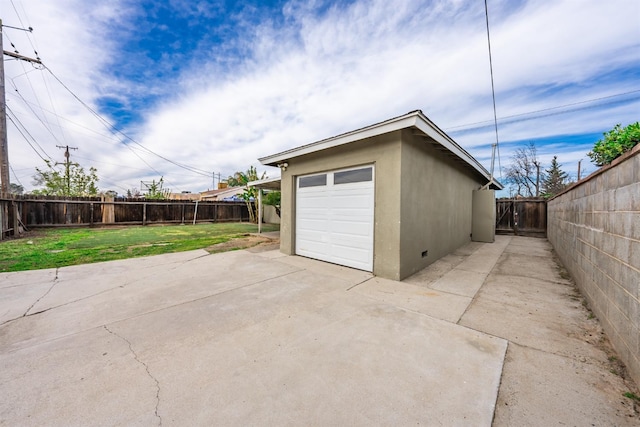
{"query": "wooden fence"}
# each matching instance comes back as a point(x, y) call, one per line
point(521, 216)
point(22, 212)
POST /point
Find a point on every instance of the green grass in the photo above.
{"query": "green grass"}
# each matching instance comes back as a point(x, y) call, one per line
point(72, 246)
point(631, 396)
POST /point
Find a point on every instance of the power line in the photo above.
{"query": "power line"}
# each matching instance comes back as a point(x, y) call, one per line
point(112, 127)
point(26, 139)
point(505, 119)
point(17, 121)
point(493, 91)
point(48, 128)
point(15, 176)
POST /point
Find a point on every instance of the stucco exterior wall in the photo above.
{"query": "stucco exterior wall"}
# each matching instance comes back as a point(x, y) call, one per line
point(269, 215)
point(384, 152)
point(436, 197)
point(595, 229)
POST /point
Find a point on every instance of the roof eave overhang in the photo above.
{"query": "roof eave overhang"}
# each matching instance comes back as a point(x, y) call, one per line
point(266, 184)
point(414, 119)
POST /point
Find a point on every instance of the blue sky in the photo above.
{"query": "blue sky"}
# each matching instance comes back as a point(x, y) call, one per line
point(210, 86)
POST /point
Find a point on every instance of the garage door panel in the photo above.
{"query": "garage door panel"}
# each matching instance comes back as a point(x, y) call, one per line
point(350, 257)
point(334, 222)
point(350, 215)
point(350, 229)
point(313, 247)
point(316, 203)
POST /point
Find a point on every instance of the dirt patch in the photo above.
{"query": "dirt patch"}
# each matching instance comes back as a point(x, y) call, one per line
point(244, 242)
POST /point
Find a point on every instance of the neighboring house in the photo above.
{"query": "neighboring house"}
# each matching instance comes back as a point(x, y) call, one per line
point(226, 194)
point(185, 195)
point(390, 198)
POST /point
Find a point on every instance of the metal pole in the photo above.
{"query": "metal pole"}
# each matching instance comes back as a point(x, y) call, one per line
point(259, 210)
point(4, 151)
point(195, 213)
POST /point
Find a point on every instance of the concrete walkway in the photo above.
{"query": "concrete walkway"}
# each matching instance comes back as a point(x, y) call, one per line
point(489, 334)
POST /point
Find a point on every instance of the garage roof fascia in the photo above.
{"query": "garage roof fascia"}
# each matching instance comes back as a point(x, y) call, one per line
point(415, 119)
point(266, 184)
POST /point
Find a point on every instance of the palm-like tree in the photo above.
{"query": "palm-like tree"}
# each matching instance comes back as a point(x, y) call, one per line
point(250, 194)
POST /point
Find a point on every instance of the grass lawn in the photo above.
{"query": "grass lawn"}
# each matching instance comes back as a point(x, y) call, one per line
point(72, 246)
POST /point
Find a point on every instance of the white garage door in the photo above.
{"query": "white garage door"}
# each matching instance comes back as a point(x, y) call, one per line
point(334, 217)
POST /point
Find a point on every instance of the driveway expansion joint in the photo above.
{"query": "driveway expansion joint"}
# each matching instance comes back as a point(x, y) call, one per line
point(146, 367)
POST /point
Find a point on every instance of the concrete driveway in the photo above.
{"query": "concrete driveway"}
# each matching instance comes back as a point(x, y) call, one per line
point(260, 338)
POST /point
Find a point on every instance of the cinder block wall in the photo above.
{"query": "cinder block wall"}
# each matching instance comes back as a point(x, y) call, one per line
point(595, 229)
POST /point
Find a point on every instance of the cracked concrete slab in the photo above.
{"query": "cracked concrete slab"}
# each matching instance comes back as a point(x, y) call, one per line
point(441, 305)
point(84, 281)
point(264, 338)
point(299, 349)
point(541, 388)
point(239, 338)
point(27, 278)
point(132, 296)
point(558, 368)
point(89, 378)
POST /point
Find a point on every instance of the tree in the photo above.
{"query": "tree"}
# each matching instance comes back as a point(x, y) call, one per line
point(240, 179)
point(273, 199)
point(156, 191)
point(133, 193)
point(77, 183)
point(250, 194)
point(524, 172)
point(556, 179)
point(15, 188)
point(615, 143)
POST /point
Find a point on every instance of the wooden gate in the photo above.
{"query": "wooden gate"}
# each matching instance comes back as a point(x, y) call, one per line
point(521, 217)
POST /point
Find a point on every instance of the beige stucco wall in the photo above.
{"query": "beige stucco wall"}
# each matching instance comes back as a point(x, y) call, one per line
point(423, 199)
point(436, 204)
point(269, 215)
point(384, 152)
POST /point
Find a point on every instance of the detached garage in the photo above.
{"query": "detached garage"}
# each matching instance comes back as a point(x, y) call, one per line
point(390, 198)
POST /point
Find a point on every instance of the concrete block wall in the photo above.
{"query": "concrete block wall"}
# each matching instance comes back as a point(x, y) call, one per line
point(594, 227)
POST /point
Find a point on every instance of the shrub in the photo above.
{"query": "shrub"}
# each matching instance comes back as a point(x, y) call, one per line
point(615, 143)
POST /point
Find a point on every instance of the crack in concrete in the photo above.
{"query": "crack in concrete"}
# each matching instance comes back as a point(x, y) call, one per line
point(146, 367)
point(182, 263)
point(55, 280)
point(358, 284)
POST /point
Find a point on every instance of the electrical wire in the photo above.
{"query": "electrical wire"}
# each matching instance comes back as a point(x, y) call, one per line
point(493, 92)
point(45, 124)
point(26, 139)
point(505, 119)
point(113, 128)
point(16, 176)
point(25, 26)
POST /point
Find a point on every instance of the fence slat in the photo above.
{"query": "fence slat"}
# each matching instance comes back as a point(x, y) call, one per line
point(521, 216)
point(47, 211)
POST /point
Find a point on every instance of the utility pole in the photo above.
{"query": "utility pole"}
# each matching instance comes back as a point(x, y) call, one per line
point(579, 162)
point(538, 179)
point(67, 163)
point(4, 150)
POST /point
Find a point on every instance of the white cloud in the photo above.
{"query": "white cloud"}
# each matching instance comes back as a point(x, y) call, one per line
point(351, 66)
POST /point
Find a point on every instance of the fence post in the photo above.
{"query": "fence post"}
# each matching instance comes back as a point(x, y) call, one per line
point(144, 213)
point(15, 218)
point(195, 213)
point(1, 220)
